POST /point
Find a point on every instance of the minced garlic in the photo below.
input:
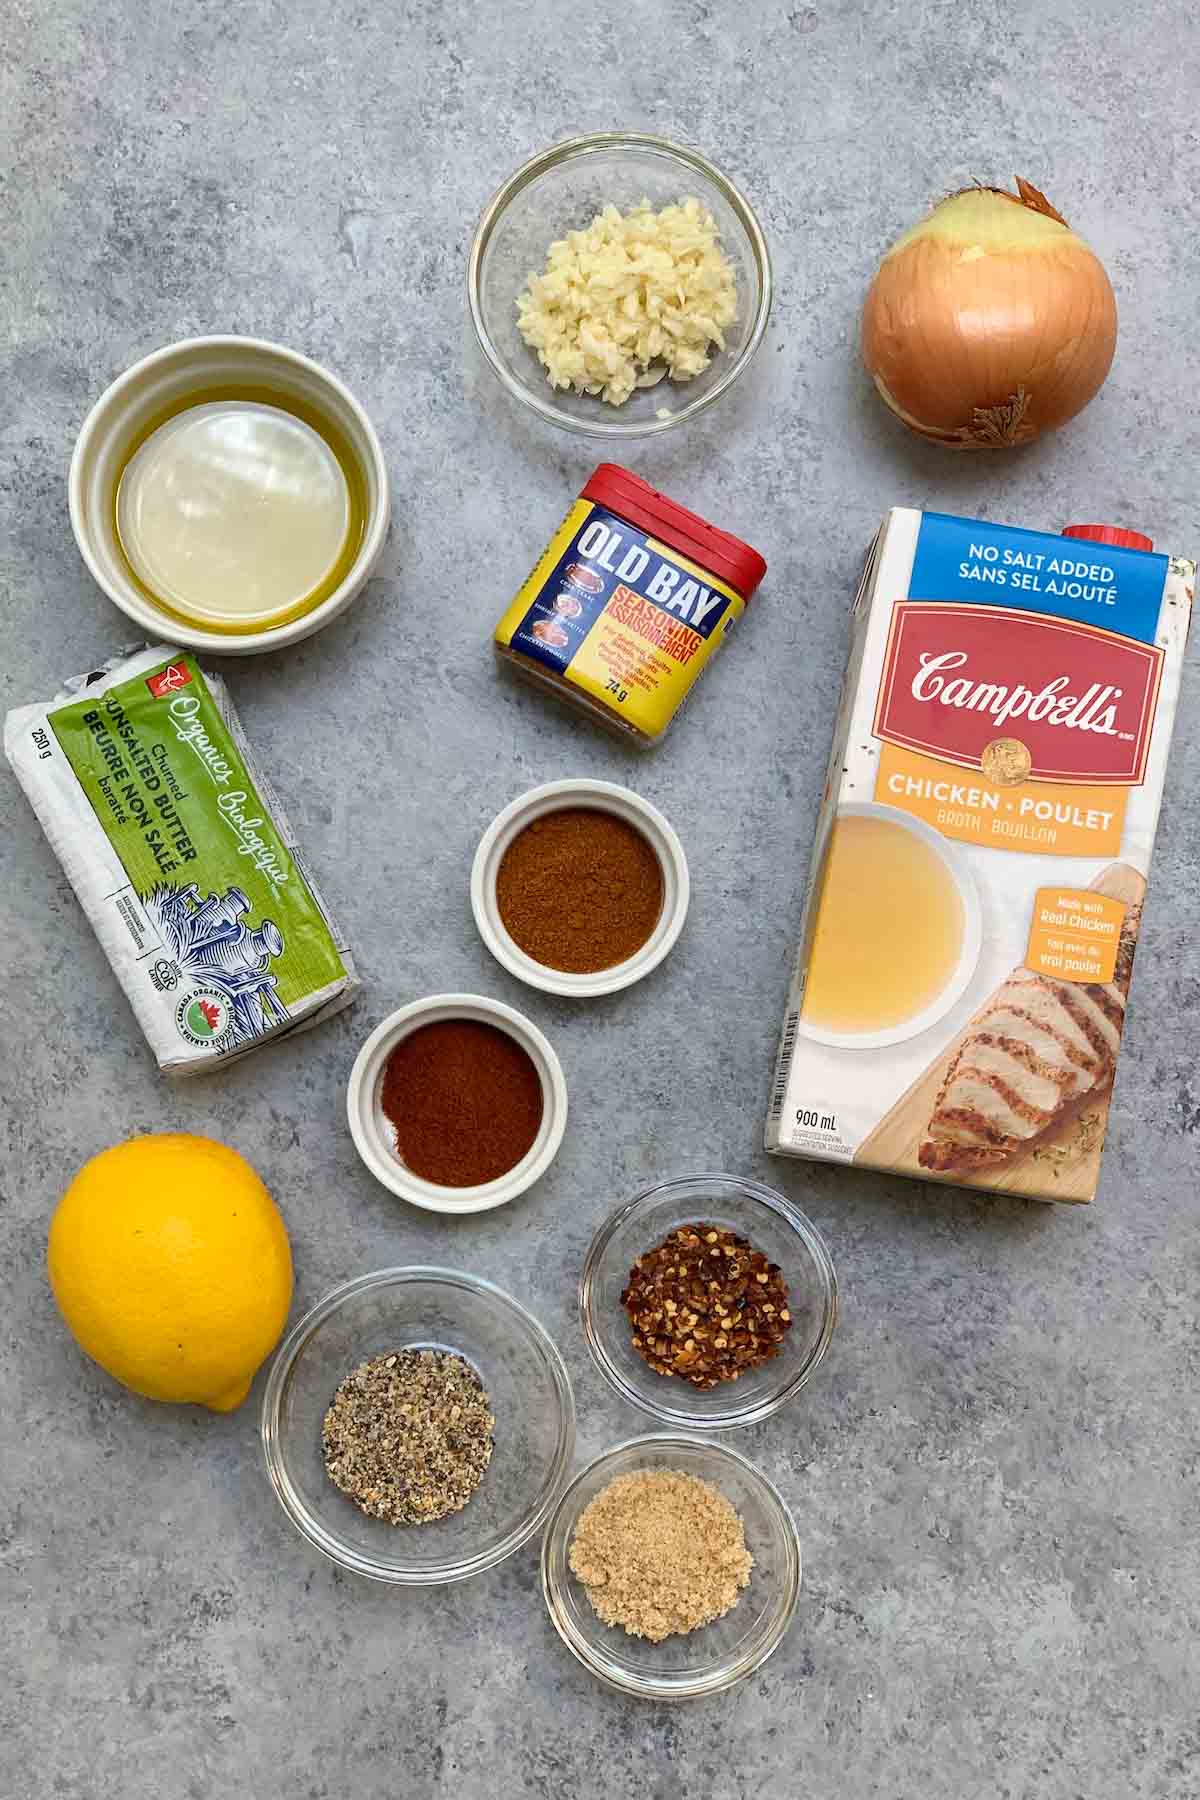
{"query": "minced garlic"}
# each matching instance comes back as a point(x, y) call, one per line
point(630, 298)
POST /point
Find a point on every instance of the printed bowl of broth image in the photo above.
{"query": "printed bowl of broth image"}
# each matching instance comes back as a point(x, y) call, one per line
point(457, 1103)
point(708, 1301)
point(699, 1560)
point(229, 495)
point(580, 888)
point(893, 934)
point(422, 1506)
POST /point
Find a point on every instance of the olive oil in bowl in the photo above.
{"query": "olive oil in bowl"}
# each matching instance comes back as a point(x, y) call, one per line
point(240, 508)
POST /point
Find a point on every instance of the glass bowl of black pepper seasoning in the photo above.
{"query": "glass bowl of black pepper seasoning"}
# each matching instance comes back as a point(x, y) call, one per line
point(708, 1301)
point(417, 1424)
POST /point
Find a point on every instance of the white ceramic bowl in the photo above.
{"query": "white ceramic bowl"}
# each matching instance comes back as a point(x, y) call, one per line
point(959, 981)
point(153, 385)
point(604, 796)
point(372, 1134)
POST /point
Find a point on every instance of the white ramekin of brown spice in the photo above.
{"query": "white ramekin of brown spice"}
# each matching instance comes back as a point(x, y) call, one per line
point(580, 888)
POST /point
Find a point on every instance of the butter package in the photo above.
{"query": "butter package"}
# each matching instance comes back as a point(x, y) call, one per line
point(181, 857)
point(981, 854)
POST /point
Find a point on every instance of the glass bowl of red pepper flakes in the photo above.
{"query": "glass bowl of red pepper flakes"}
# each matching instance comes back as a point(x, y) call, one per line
point(727, 1364)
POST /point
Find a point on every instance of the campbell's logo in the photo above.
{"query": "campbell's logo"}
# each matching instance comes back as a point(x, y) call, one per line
point(169, 680)
point(1080, 700)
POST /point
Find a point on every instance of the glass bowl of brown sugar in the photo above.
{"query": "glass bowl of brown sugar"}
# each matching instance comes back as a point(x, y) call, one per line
point(521, 1377)
point(708, 1301)
point(651, 1561)
point(580, 888)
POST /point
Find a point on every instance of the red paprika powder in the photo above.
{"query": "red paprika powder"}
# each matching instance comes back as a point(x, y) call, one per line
point(464, 1100)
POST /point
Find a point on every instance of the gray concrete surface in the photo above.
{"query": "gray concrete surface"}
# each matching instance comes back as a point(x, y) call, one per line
point(995, 1476)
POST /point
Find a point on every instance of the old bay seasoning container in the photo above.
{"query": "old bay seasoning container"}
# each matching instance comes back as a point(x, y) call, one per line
point(631, 598)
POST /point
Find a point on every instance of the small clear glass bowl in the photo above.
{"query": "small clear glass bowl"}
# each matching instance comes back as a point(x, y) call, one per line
point(530, 1392)
point(561, 190)
point(716, 1656)
point(774, 1226)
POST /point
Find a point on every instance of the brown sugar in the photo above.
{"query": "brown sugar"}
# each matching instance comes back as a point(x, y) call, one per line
point(579, 890)
point(660, 1553)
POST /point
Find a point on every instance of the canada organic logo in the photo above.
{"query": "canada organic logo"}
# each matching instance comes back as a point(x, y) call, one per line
point(174, 676)
point(203, 1016)
point(958, 677)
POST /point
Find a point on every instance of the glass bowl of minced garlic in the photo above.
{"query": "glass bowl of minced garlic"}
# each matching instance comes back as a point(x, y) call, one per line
point(619, 284)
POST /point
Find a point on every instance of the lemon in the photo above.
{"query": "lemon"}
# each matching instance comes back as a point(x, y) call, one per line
point(170, 1263)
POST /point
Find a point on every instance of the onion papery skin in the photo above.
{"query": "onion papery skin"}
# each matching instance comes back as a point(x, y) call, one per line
point(989, 322)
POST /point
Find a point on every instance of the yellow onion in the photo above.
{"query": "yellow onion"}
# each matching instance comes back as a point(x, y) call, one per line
point(989, 322)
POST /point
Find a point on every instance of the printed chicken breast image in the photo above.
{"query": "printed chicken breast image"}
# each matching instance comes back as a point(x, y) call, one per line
point(1036, 1050)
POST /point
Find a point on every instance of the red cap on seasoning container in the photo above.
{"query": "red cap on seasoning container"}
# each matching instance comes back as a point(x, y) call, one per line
point(1110, 534)
point(719, 551)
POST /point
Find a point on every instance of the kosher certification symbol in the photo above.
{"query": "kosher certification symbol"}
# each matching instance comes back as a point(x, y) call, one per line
point(164, 974)
point(203, 1017)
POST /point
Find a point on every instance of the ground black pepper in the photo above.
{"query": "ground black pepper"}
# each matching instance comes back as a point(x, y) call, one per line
point(409, 1435)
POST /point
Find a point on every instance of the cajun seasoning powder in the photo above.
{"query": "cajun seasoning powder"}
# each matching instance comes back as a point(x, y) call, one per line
point(464, 1100)
point(579, 890)
point(631, 598)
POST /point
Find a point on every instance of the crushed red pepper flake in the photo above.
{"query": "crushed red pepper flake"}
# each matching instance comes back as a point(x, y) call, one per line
point(706, 1305)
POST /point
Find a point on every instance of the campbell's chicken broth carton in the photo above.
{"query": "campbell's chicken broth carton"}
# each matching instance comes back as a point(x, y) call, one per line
point(981, 854)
